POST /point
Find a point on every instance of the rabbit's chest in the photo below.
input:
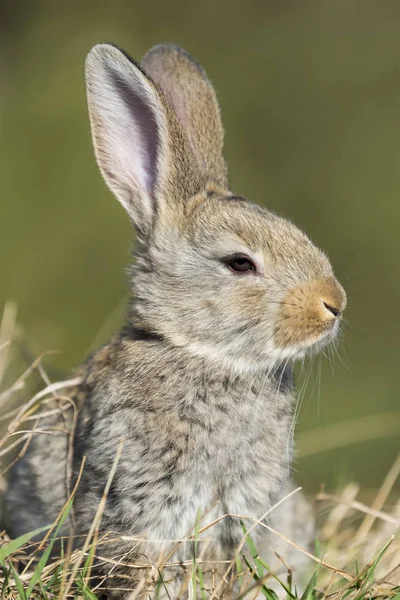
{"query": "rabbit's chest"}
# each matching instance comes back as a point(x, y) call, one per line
point(239, 455)
point(231, 455)
point(215, 450)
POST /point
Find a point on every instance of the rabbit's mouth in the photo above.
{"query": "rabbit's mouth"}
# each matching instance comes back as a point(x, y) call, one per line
point(309, 316)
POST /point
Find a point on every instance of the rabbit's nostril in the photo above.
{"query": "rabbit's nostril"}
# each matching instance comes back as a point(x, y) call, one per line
point(335, 311)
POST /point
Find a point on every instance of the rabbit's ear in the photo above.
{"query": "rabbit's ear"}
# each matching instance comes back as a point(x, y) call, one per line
point(191, 95)
point(140, 149)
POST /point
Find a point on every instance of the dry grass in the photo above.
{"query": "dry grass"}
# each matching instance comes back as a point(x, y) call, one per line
point(358, 552)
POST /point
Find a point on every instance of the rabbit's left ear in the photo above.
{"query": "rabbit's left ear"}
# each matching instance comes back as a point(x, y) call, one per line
point(191, 95)
point(144, 157)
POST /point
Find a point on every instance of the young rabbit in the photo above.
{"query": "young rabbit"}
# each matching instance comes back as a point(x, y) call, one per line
point(225, 297)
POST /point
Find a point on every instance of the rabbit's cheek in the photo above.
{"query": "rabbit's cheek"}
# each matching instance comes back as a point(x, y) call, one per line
point(310, 313)
point(249, 300)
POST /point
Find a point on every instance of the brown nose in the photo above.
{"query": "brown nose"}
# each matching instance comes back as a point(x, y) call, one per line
point(335, 311)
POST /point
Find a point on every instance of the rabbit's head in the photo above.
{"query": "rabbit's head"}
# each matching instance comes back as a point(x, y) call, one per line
point(214, 273)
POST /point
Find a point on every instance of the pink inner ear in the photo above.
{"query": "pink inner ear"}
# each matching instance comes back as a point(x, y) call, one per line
point(128, 136)
point(143, 136)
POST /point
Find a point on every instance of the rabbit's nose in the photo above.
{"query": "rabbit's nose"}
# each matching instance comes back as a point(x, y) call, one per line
point(332, 299)
point(334, 310)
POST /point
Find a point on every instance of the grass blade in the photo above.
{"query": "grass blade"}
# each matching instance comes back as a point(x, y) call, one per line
point(12, 547)
point(309, 591)
point(18, 584)
point(46, 554)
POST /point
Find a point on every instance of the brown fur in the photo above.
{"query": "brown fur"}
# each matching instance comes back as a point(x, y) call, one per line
point(304, 313)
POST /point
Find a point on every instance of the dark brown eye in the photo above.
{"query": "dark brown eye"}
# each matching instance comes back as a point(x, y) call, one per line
point(240, 263)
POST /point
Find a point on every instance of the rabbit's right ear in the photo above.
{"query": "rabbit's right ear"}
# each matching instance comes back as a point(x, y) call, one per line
point(138, 143)
point(191, 95)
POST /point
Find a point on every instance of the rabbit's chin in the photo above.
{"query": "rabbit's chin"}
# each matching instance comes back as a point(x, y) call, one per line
point(313, 346)
point(309, 347)
point(241, 362)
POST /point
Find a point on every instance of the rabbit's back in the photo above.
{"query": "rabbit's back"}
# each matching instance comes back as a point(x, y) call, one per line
point(38, 483)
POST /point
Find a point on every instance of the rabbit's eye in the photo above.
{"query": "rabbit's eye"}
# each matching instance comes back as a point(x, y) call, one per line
point(240, 263)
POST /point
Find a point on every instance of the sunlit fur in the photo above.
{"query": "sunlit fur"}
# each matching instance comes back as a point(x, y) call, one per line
point(198, 382)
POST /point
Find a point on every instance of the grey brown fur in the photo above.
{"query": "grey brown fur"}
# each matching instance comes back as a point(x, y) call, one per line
point(198, 383)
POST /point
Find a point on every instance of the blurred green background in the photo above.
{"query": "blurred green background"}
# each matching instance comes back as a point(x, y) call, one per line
point(310, 95)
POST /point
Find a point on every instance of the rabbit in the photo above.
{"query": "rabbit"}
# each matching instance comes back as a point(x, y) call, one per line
point(196, 390)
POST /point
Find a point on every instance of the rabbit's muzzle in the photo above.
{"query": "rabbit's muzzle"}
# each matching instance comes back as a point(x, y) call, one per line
point(310, 314)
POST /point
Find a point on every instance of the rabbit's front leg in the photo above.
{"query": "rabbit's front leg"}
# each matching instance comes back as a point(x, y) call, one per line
point(294, 519)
